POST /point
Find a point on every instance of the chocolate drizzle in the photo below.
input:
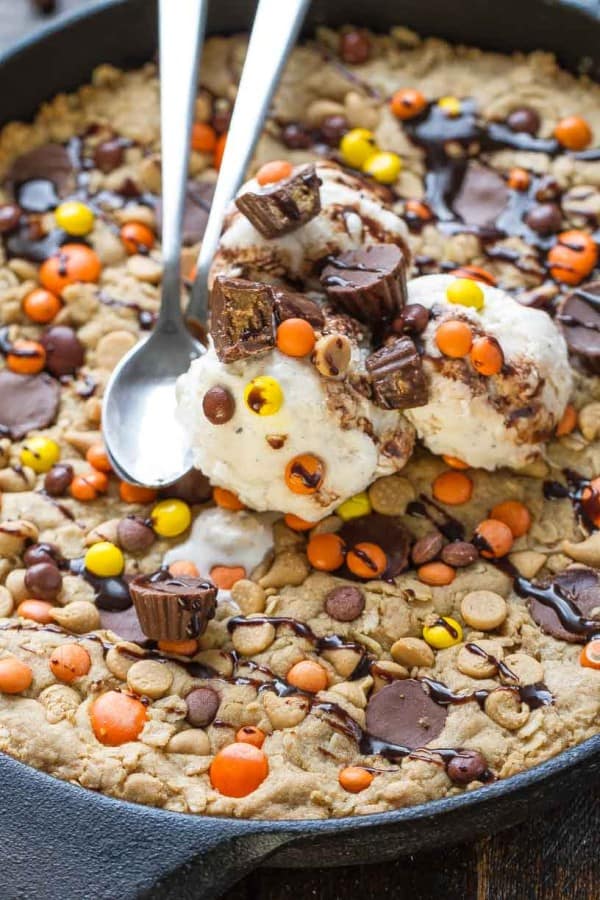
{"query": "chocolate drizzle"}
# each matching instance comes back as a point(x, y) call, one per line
point(426, 508)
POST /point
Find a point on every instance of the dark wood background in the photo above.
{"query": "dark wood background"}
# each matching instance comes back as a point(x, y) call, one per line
point(557, 858)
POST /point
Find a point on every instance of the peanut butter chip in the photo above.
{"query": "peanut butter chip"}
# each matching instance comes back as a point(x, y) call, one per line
point(150, 678)
point(192, 740)
point(112, 347)
point(527, 669)
point(411, 651)
point(249, 596)
point(483, 610)
point(391, 495)
point(121, 658)
point(478, 659)
point(6, 602)
point(251, 639)
point(332, 355)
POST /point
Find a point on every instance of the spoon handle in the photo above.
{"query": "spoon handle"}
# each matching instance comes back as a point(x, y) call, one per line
point(181, 31)
point(276, 26)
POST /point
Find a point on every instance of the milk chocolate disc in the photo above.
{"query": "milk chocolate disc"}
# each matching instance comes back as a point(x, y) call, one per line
point(27, 403)
point(404, 713)
point(579, 320)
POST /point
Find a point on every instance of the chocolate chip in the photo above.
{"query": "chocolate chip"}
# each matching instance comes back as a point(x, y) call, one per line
point(427, 548)
point(202, 705)
point(545, 218)
point(483, 195)
point(413, 320)
point(345, 603)
point(109, 155)
point(27, 402)
point(460, 554)
point(579, 320)
point(397, 376)
point(43, 581)
point(525, 119)
point(333, 129)
point(241, 318)
point(50, 162)
point(193, 488)
point(285, 205)
point(42, 553)
point(10, 216)
point(582, 586)
point(218, 405)
point(58, 479)
point(467, 766)
point(296, 136)
point(386, 531)
point(134, 535)
point(355, 47)
point(173, 608)
point(292, 305)
point(369, 283)
point(404, 713)
point(64, 351)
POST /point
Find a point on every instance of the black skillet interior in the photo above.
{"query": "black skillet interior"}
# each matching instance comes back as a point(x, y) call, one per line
point(64, 842)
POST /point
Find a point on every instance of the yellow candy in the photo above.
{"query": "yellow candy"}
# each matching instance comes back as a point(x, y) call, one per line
point(170, 518)
point(40, 454)
point(74, 218)
point(383, 166)
point(104, 559)
point(446, 632)
point(465, 292)
point(357, 146)
point(263, 395)
point(450, 105)
point(354, 507)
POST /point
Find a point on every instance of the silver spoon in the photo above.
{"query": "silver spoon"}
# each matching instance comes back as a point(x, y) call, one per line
point(143, 438)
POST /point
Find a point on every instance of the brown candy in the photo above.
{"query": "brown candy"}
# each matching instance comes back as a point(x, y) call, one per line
point(193, 488)
point(345, 603)
point(202, 705)
point(218, 405)
point(10, 215)
point(544, 218)
point(524, 119)
point(579, 320)
point(134, 535)
point(58, 479)
point(369, 283)
point(242, 322)
point(27, 402)
point(427, 548)
point(283, 206)
point(109, 155)
point(467, 766)
point(459, 554)
point(413, 320)
point(43, 581)
point(397, 377)
point(403, 713)
point(173, 608)
point(355, 47)
point(44, 552)
point(64, 351)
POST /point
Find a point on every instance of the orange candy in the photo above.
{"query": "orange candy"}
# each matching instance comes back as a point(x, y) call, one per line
point(573, 132)
point(69, 662)
point(591, 492)
point(407, 103)
point(136, 237)
point(98, 480)
point(325, 552)
point(226, 576)
point(573, 257)
point(515, 515)
point(475, 273)
point(308, 675)
point(454, 338)
point(304, 474)
point(183, 648)
point(15, 676)
point(494, 538)
point(567, 422)
point(418, 209)
point(41, 306)
point(276, 170)
point(220, 150)
point(590, 655)
point(82, 489)
point(72, 263)
point(98, 458)
point(36, 610)
point(184, 567)
point(26, 357)
point(204, 137)
point(295, 337)
point(452, 488)
point(454, 462)
point(135, 493)
point(238, 769)
point(355, 779)
point(296, 523)
point(518, 179)
point(366, 560)
point(250, 734)
point(227, 499)
point(436, 574)
point(117, 718)
point(486, 356)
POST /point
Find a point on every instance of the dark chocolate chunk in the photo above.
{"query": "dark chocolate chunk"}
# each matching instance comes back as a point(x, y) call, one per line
point(579, 320)
point(27, 402)
point(296, 136)
point(218, 405)
point(412, 320)
point(134, 535)
point(404, 713)
point(369, 284)
point(467, 766)
point(396, 375)
point(460, 554)
point(544, 218)
point(173, 608)
point(241, 318)
point(283, 206)
point(58, 479)
point(291, 305)
point(345, 603)
point(64, 351)
point(43, 580)
point(10, 216)
point(48, 163)
point(109, 155)
point(202, 705)
point(386, 531)
point(483, 195)
point(524, 119)
point(582, 587)
point(193, 487)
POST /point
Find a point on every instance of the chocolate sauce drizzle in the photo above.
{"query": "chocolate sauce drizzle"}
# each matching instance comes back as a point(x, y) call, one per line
point(426, 508)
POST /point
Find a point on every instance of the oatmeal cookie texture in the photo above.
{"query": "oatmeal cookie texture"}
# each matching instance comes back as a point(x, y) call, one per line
point(411, 625)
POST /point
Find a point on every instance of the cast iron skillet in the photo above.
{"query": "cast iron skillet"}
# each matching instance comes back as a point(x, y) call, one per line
point(65, 843)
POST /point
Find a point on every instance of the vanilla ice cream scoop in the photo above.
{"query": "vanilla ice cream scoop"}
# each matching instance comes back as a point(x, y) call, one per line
point(496, 399)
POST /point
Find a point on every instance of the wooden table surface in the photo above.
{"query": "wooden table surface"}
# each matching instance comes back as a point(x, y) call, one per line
point(556, 858)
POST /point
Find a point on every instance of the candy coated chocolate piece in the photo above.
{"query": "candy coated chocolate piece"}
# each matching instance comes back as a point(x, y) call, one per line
point(134, 535)
point(283, 206)
point(173, 608)
point(27, 402)
point(369, 283)
point(109, 155)
point(291, 305)
point(58, 479)
point(10, 215)
point(64, 351)
point(397, 376)
point(524, 119)
point(218, 405)
point(579, 320)
point(468, 766)
point(582, 586)
point(544, 218)
point(404, 713)
point(387, 532)
point(483, 195)
point(345, 603)
point(43, 581)
point(202, 705)
point(241, 318)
